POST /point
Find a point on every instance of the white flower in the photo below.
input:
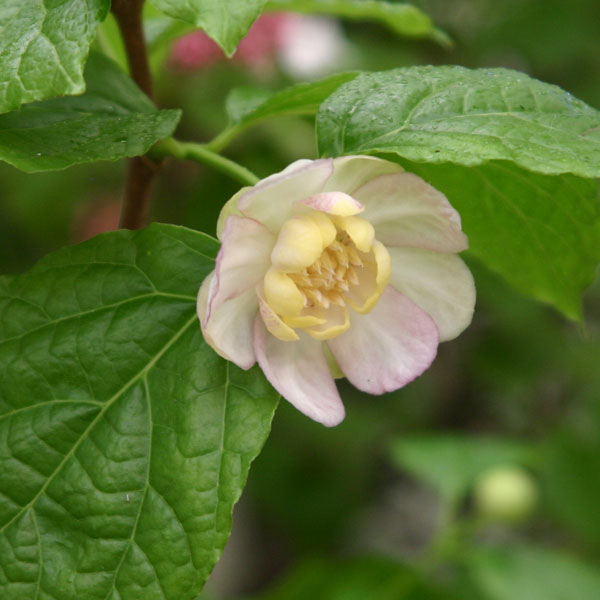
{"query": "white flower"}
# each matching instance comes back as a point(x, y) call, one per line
point(312, 47)
point(347, 262)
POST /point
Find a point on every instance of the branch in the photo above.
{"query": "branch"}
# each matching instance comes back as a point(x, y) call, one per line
point(129, 17)
point(141, 170)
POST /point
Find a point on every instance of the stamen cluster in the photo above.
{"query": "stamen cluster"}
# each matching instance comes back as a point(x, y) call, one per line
point(331, 275)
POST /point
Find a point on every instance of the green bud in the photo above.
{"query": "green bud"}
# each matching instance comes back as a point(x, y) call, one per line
point(505, 494)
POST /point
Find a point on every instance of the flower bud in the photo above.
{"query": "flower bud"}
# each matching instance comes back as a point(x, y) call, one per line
point(505, 494)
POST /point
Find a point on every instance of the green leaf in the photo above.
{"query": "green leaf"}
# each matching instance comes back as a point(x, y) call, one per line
point(403, 19)
point(242, 102)
point(248, 106)
point(43, 47)
point(451, 463)
point(243, 106)
point(463, 116)
point(124, 439)
point(225, 22)
point(571, 473)
point(540, 232)
point(531, 573)
point(112, 120)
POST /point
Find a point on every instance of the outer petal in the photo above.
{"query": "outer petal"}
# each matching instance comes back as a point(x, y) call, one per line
point(300, 373)
point(229, 330)
point(230, 209)
point(407, 211)
point(203, 294)
point(273, 200)
point(441, 284)
point(231, 206)
point(243, 260)
point(387, 348)
point(351, 172)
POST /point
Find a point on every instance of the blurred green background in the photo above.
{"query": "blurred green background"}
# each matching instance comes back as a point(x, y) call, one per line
point(479, 480)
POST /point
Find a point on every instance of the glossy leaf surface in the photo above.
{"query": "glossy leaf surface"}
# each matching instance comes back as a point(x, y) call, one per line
point(462, 116)
point(225, 22)
point(112, 120)
point(124, 439)
point(43, 47)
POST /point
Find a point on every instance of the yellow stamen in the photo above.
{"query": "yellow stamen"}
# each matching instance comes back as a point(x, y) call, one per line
point(335, 276)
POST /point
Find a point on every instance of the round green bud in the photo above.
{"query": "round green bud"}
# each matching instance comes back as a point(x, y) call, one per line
point(505, 494)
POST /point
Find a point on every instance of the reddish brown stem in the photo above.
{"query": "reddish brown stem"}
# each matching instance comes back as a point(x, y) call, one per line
point(129, 17)
point(135, 210)
point(141, 169)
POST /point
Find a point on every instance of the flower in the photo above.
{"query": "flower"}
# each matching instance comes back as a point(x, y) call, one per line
point(337, 264)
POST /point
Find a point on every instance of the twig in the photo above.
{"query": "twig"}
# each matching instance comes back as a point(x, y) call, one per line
point(129, 17)
point(141, 169)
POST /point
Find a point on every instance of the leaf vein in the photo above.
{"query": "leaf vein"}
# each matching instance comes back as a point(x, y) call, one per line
point(99, 416)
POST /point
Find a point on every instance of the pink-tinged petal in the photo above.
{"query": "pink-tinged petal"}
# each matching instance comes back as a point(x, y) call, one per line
point(243, 260)
point(231, 206)
point(205, 292)
point(230, 209)
point(229, 328)
point(273, 200)
point(441, 284)
point(407, 211)
point(389, 347)
point(300, 373)
point(352, 172)
point(334, 203)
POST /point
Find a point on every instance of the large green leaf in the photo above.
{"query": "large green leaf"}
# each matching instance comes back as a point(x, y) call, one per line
point(225, 22)
point(519, 571)
point(43, 47)
point(112, 120)
point(540, 232)
point(402, 18)
point(247, 106)
point(124, 439)
point(451, 463)
point(453, 114)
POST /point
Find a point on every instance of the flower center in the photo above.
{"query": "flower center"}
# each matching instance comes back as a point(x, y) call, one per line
point(321, 266)
point(327, 280)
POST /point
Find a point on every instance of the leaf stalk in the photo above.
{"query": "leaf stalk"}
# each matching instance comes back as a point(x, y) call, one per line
point(203, 154)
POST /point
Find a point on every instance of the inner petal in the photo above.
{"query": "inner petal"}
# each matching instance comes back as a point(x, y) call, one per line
point(359, 230)
point(282, 293)
point(321, 265)
point(373, 278)
point(299, 244)
point(337, 320)
point(334, 203)
point(272, 321)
